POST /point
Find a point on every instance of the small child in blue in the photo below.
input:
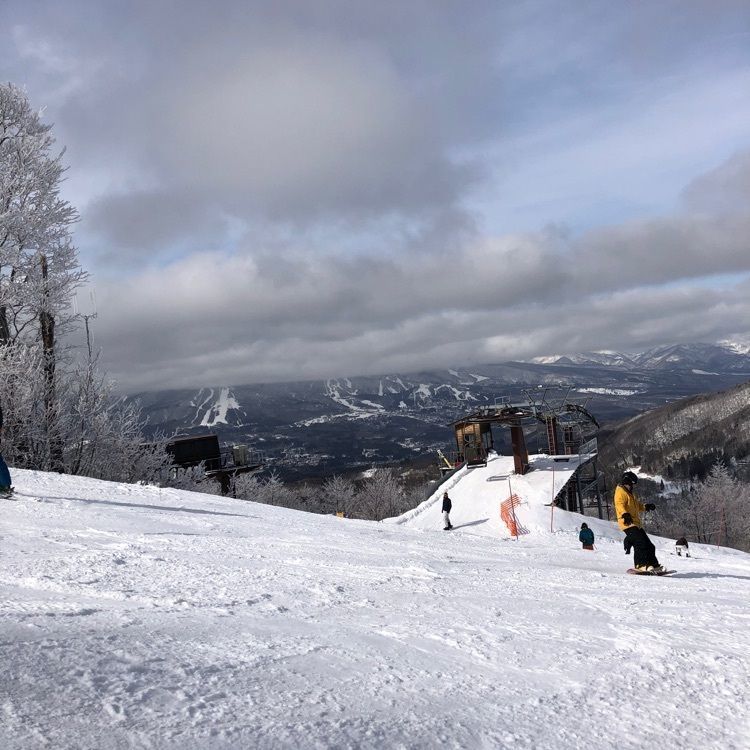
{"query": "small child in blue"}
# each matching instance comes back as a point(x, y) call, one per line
point(586, 537)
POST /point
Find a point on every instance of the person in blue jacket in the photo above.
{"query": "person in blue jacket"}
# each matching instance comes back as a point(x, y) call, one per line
point(586, 537)
point(5, 488)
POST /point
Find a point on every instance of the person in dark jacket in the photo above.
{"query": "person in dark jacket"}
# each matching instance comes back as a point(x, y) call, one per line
point(5, 488)
point(447, 505)
point(586, 537)
point(680, 546)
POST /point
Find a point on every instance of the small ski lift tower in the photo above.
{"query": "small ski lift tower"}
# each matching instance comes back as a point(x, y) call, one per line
point(555, 409)
point(550, 406)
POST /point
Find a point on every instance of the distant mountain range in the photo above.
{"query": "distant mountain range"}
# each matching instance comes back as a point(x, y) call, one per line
point(725, 357)
point(340, 424)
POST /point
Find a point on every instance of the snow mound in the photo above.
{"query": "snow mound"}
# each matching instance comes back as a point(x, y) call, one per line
point(478, 495)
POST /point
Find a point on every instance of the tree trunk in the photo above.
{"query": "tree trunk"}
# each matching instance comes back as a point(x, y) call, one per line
point(47, 330)
point(4, 327)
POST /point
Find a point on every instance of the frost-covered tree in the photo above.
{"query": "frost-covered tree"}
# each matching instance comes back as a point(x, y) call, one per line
point(100, 435)
point(59, 415)
point(695, 517)
point(39, 269)
point(712, 496)
point(381, 496)
point(194, 479)
point(103, 435)
point(729, 503)
point(338, 493)
point(268, 490)
point(714, 511)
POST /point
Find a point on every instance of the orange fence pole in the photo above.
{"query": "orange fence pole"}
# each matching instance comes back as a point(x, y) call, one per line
point(513, 509)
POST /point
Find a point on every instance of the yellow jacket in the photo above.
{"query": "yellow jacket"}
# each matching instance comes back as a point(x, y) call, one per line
point(626, 502)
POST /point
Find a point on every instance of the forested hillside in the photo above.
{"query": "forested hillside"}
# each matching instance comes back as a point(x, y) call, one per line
point(684, 439)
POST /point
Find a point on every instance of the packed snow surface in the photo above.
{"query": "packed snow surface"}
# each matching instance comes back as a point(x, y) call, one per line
point(134, 617)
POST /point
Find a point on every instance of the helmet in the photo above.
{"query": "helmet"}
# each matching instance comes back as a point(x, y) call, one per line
point(629, 477)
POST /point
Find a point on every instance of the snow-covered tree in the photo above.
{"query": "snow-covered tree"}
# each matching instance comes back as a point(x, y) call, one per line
point(268, 490)
point(59, 415)
point(715, 510)
point(39, 269)
point(730, 501)
point(338, 493)
point(194, 479)
point(381, 496)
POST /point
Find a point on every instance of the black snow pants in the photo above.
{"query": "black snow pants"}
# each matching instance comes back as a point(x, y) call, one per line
point(644, 552)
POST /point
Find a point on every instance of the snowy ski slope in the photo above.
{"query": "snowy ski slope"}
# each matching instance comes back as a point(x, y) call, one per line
point(477, 494)
point(134, 617)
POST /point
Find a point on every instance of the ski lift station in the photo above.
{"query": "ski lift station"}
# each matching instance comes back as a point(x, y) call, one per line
point(508, 497)
point(566, 424)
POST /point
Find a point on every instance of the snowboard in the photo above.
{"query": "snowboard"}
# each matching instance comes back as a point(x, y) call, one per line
point(7, 494)
point(635, 572)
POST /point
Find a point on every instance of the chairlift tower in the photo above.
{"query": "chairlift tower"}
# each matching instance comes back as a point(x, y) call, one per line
point(553, 407)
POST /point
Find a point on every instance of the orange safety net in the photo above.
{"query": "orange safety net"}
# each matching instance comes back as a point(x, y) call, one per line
point(507, 513)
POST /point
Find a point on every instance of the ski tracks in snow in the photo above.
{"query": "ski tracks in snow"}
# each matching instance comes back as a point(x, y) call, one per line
point(145, 618)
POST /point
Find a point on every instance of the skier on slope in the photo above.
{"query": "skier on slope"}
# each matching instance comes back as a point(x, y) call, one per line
point(680, 546)
point(447, 505)
point(627, 511)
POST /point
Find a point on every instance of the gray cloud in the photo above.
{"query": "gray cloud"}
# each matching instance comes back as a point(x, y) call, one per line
point(724, 190)
point(140, 222)
point(180, 357)
point(627, 286)
point(299, 129)
point(298, 189)
point(294, 112)
point(659, 251)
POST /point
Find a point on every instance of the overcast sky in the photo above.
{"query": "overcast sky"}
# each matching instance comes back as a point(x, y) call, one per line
point(302, 189)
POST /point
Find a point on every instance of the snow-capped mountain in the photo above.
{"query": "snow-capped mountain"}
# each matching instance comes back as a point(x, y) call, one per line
point(321, 427)
point(740, 344)
point(607, 358)
point(707, 357)
point(726, 356)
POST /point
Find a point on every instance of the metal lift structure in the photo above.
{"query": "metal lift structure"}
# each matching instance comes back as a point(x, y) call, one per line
point(565, 422)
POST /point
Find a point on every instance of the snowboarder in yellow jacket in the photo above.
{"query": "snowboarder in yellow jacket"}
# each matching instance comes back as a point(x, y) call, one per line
point(627, 502)
point(628, 511)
